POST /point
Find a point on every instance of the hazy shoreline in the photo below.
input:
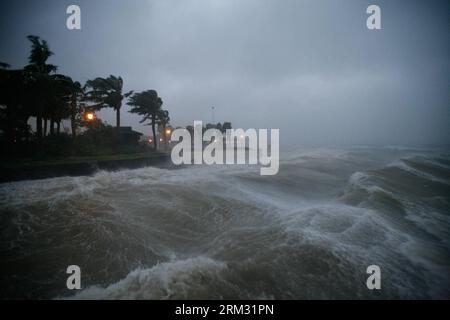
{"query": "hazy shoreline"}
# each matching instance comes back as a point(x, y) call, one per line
point(35, 170)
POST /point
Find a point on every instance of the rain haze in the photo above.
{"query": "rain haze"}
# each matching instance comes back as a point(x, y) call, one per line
point(311, 68)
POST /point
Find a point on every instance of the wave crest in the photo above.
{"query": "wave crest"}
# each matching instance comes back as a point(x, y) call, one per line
point(181, 279)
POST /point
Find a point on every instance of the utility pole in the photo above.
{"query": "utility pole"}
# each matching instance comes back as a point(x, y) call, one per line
point(213, 117)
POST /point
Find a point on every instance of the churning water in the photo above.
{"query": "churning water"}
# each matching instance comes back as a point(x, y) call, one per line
point(226, 232)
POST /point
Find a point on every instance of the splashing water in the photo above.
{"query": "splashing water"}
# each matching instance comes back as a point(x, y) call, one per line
point(218, 232)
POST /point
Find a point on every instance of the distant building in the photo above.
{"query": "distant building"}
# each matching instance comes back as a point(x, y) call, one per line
point(128, 135)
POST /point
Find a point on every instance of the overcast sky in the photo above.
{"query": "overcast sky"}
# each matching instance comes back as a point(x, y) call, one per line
point(310, 68)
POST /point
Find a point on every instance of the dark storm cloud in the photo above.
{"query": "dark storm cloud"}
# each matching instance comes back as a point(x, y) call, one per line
point(310, 68)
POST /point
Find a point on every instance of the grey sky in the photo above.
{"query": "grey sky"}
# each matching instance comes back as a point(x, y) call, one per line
point(310, 68)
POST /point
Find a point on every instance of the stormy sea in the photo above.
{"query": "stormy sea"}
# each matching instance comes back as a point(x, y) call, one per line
point(226, 232)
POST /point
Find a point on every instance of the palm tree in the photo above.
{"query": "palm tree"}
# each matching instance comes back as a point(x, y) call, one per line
point(67, 102)
point(226, 126)
point(163, 121)
point(76, 97)
point(14, 112)
point(107, 93)
point(56, 107)
point(147, 104)
point(38, 74)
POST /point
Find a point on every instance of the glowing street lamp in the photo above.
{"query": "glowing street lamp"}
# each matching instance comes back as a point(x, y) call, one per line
point(90, 116)
point(168, 135)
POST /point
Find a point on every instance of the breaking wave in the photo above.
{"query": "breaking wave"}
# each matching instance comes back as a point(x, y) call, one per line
point(225, 232)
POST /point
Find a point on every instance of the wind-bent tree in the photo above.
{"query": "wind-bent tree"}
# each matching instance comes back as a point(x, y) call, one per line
point(226, 126)
point(147, 104)
point(107, 93)
point(14, 112)
point(39, 80)
point(67, 102)
point(163, 120)
point(75, 103)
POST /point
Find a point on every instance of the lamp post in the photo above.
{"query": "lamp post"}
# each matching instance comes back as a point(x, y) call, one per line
point(167, 138)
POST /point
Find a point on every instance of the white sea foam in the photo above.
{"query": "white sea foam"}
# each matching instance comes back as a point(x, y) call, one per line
point(404, 166)
point(180, 279)
point(226, 232)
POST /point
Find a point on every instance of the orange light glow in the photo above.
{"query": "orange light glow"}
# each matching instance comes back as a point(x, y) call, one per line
point(168, 131)
point(90, 116)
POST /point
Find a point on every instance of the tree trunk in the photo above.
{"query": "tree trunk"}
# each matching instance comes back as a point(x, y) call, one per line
point(73, 125)
point(25, 130)
point(58, 127)
point(39, 126)
point(165, 137)
point(45, 126)
point(155, 146)
point(52, 127)
point(118, 117)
